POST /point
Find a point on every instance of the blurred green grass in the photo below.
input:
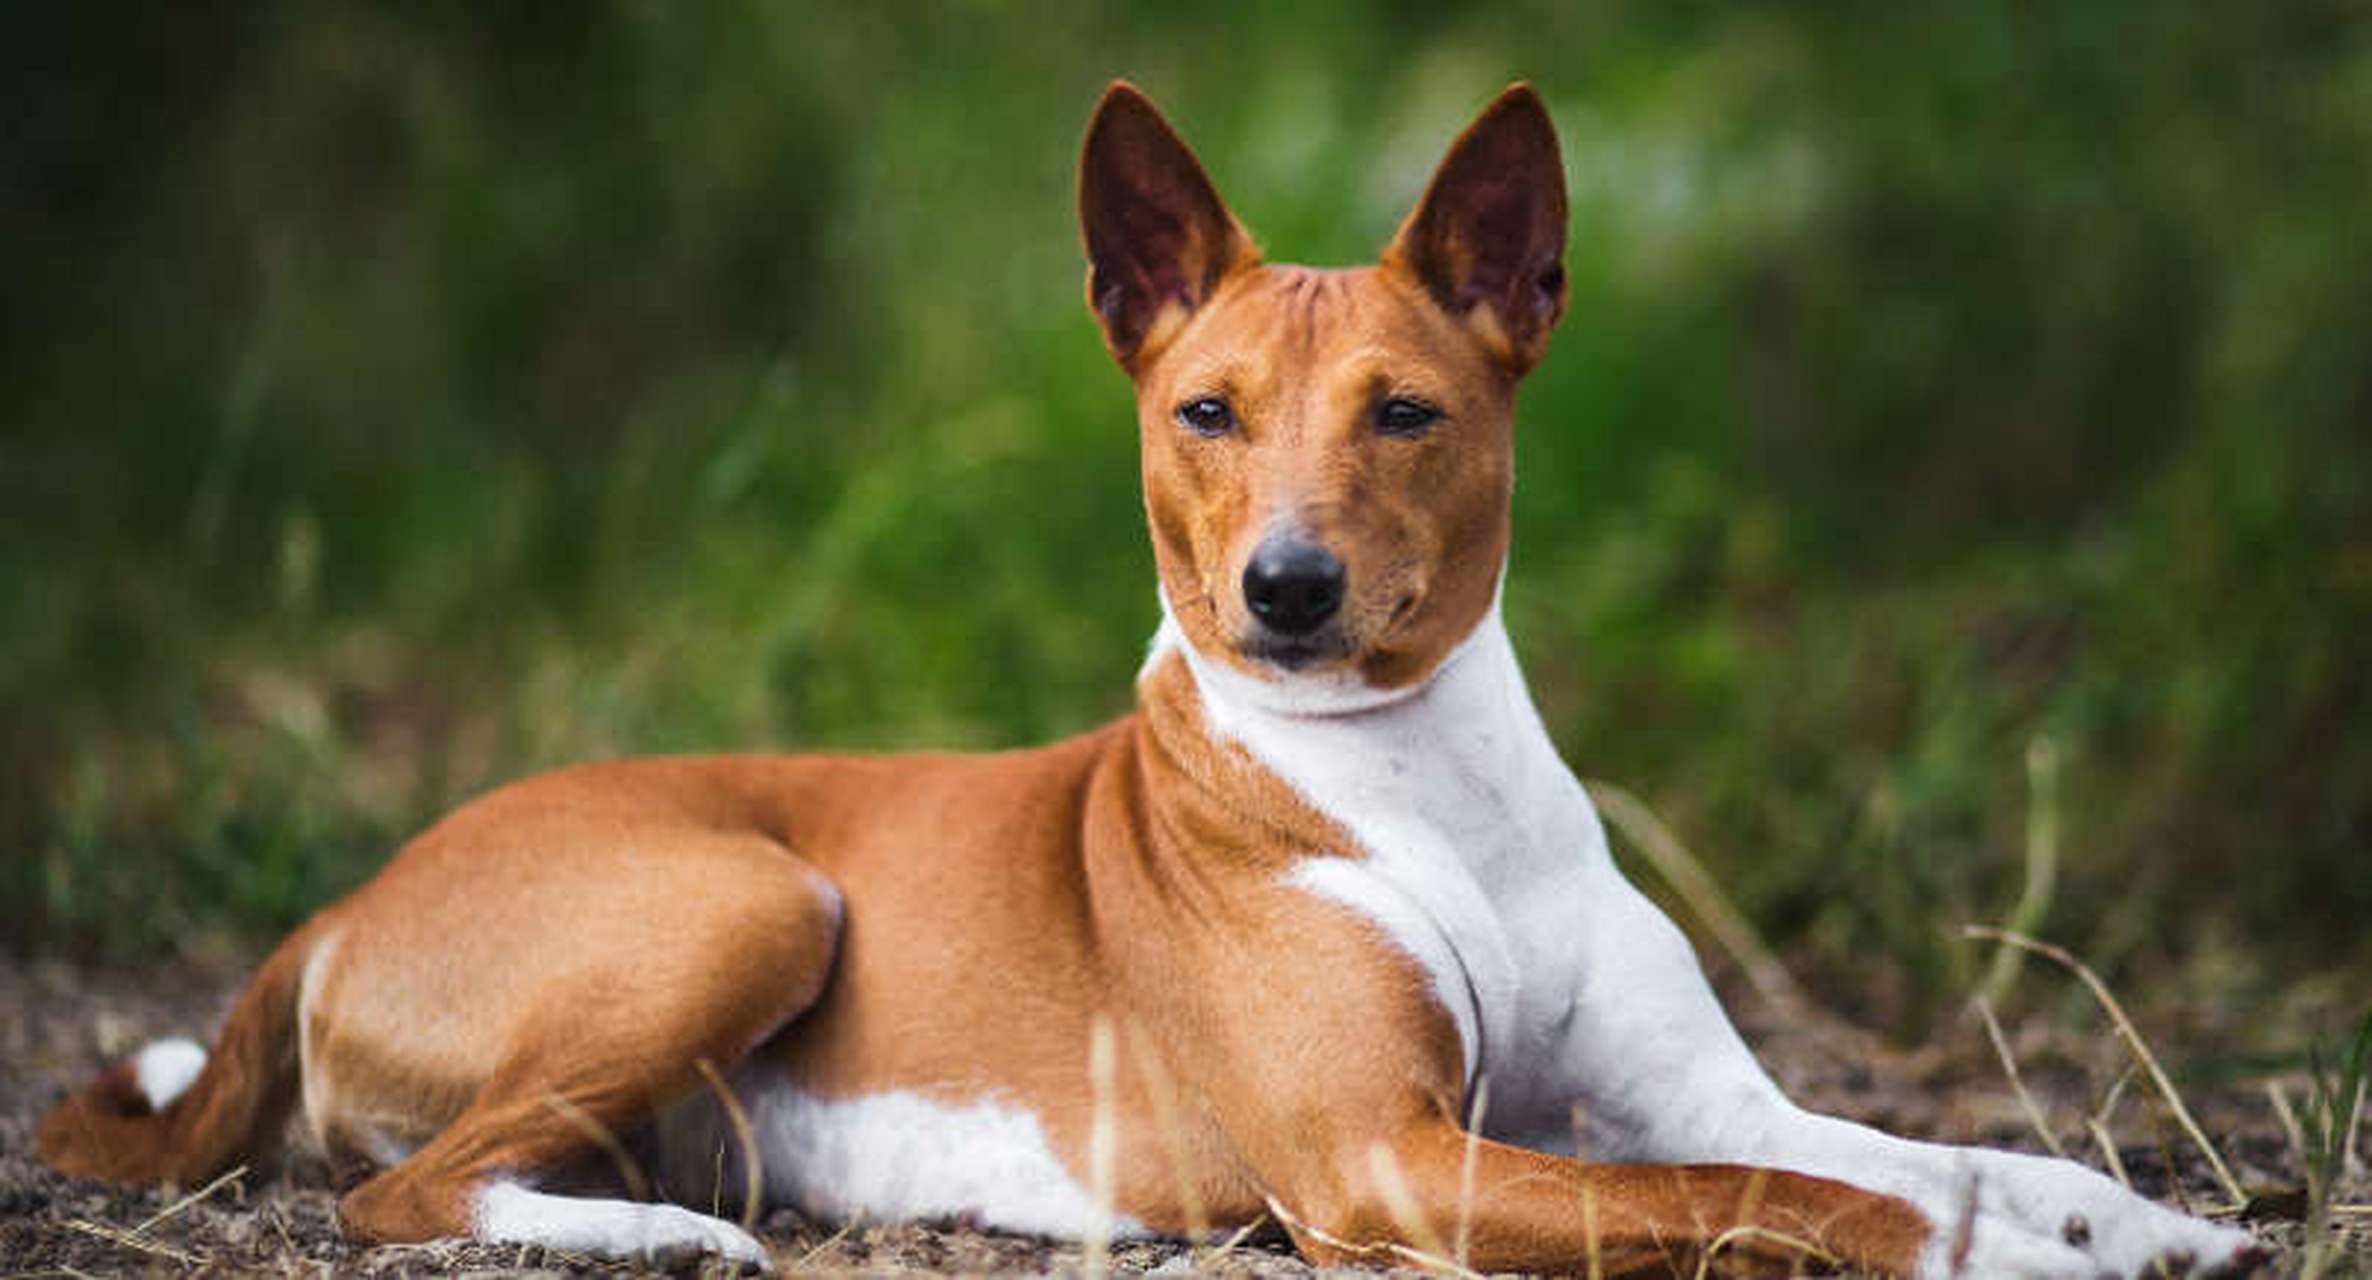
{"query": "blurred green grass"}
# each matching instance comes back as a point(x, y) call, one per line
point(399, 399)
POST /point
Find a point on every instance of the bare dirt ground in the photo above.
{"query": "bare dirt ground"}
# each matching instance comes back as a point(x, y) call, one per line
point(58, 1024)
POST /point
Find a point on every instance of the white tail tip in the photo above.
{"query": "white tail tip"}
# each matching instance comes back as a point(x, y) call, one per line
point(165, 1069)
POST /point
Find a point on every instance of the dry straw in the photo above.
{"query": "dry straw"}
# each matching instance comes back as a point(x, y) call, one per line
point(1162, 1092)
point(137, 1239)
point(1476, 1113)
point(1384, 1249)
point(2009, 1065)
point(132, 1240)
point(1103, 1142)
point(753, 1168)
point(2133, 1043)
point(1680, 869)
point(630, 1172)
point(1402, 1204)
point(182, 1205)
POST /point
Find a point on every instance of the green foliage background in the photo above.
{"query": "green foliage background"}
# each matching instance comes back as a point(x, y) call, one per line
point(398, 398)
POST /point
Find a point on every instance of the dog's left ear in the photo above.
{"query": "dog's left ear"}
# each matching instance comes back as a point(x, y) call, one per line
point(1488, 239)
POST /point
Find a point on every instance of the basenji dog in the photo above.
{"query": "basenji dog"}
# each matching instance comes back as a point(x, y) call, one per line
point(1258, 948)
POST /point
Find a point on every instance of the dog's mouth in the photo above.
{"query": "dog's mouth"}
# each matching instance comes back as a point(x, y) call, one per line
point(1333, 644)
point(1296, 653)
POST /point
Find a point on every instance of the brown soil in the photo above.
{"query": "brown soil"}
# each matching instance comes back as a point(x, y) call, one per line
point(58, 1024)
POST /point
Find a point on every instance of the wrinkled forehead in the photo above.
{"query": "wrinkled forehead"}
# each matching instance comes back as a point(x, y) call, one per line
point(1277, 328)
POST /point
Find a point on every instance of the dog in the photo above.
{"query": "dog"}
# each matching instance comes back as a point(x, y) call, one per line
point(1257, 948)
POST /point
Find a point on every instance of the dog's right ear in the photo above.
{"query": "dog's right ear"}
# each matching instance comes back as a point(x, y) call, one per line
point(1159, 239)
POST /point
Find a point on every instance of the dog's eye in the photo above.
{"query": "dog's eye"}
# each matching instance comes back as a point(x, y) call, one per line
point(1401, 416)
point(1207, 416)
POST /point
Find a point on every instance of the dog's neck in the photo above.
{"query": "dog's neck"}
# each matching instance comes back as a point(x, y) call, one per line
point(1468, 733)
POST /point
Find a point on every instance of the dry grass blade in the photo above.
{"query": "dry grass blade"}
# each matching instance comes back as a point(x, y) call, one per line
point(1594, 1265)
point(2133, 1043)
point(753, 1157)
point(805, 1259)
point(1103, 1141)
point(2158, 1134)
point(1466, 1167)
point(278, 1218)
point(2288, 1118)
point(1680, 869)
point(1406, 1213)
point(186, 1201)
point(1750, 1199)
point(629, 1170)
point(118, 1236)
point(1744, 1232)
point(2114, 1095)
point(1162, 1091)
point(2042, 862)
point(1233, 1242)
point(134, 1238)
point(2108, 1152)
point(1964, 1230)
point(1380, 1249)
point(2009, 1066)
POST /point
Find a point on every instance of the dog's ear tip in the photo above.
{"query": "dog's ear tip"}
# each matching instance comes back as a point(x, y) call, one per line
point(1520, 104)
point(1156, 232)
point(1490, 230)
point(1123, 104)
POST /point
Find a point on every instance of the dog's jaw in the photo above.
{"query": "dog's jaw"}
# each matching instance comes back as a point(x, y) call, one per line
point(1338, 690)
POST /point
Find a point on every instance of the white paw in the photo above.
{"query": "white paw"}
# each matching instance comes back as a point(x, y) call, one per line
point(675, 1230)
point(509, 1212)
point(2037, 1217)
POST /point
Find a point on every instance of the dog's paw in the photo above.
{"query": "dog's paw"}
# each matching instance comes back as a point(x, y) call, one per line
point(2015, 1215)
point(661, 1233)
point(678, 1235)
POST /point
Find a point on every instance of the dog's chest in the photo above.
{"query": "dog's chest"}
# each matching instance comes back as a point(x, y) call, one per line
point(1479, 854)
point(1489, 898)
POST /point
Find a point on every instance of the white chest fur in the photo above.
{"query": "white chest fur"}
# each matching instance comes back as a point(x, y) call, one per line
point(1482, 856)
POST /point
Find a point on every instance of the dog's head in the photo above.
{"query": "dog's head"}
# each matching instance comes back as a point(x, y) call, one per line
point(1327, 454)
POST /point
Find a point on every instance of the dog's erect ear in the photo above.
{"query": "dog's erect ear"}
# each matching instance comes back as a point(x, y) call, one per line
point(1157, 233)
point(1488, 239)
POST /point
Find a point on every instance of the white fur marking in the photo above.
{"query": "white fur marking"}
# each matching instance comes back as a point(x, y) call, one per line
point(510, 1213)
point(166, 1069)
point(900, 1155)
point(312, 1089)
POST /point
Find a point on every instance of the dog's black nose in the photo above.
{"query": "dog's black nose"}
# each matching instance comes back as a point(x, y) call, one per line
point(1292, 585)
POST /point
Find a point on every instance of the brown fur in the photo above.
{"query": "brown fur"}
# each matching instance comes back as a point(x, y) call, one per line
point(592, 935)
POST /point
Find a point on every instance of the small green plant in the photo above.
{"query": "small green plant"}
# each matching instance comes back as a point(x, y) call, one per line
point(2334, 1107)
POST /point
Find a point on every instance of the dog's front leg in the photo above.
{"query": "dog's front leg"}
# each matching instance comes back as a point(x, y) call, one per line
point(1423, 1190)
point(1334, 1077)
point(1659, 1074)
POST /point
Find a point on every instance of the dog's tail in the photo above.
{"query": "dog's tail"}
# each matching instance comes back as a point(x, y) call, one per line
point(174, 1113)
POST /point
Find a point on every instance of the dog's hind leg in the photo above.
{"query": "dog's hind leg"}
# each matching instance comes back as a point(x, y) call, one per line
point(614, 1036)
